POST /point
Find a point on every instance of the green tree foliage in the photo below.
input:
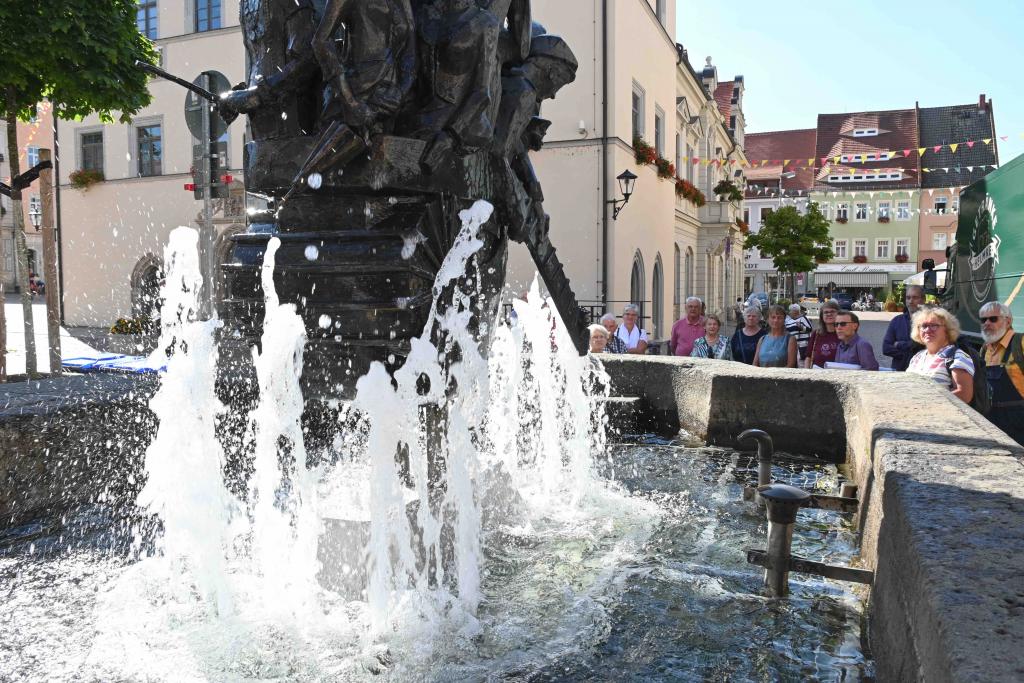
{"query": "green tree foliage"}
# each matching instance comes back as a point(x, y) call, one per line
point(78, 54)
point(793, 241)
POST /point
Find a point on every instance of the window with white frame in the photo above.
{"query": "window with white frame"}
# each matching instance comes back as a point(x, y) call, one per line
point(659, 131)
point(903, 210)
point(956, 204)
point(765, 212)
point(90, 151)
point(882, 249)
point(839, 249)
point(638, 111)
point(679, 155)
point(860, 211)
point(689, 163)
point(32, 155)
point(207, 15)
point(941, 204)
point(865, 132)
point(860, 248)
point(939, 241)
point(862, 158)
point(149, 149)
point(842, 211)
point(903, 247)
point(825, 209)
point(865, 176)
point(884, 209)
point(146, 18)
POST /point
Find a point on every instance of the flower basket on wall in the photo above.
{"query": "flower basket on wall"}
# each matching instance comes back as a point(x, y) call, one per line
point(860, 258)
point(883, 219)
point(743, 226)
point(83, 179)
point(842, 221)
point(902, 258)
point(666, 169)
point(645, 154)
point(728, 191)
point(689, 192)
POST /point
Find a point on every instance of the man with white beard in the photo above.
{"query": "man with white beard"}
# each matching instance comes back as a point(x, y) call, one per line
point(1004, 360)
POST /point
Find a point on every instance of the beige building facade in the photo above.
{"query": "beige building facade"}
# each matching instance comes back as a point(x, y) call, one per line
point(662, 248)
point(113, 233)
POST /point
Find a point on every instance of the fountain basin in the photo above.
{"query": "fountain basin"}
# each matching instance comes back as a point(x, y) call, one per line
point(942, 496)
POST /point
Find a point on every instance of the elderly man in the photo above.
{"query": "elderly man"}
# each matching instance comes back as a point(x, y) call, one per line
point(853, 349)
point(799, 327)
point(897, 343)
point(615, 345)
point(1004, 368)
point(689, 329)
point(630, 332)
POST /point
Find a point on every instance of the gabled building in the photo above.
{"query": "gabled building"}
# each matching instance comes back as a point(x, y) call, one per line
point(784, 175)
point(972, 128)
point(867, 180)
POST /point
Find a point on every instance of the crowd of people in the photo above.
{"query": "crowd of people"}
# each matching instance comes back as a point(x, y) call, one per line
point(923, 340)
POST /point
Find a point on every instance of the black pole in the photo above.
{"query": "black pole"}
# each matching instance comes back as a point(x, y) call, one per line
point(56, 210)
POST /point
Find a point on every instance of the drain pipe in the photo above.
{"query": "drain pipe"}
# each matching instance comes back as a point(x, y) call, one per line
point(605, 289)
point(783, 503)
point(765, 451)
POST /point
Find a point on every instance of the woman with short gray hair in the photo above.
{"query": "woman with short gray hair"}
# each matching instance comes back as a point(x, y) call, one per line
point(743, 345)
point(630, 332)
point(615, 345)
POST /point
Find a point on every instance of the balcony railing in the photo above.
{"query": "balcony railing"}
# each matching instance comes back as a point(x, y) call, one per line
point(720, 212)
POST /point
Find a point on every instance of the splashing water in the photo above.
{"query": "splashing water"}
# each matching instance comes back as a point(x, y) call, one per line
point(456, 455)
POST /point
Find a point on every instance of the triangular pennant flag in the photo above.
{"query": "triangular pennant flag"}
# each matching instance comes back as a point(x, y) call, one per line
point(836, 159)
point(927, 170)
point(824, 160)
point(1004, 137)
point(970, 169)
point(810, 162)
point(931, 192)
point(956, 168)
point(954, 146)
point(921, 151)
point(785, 162)
point(970, 144)
point(871, 195)
point(696, 161)
point(987, 141)
point(945, 169)
point(906, 152)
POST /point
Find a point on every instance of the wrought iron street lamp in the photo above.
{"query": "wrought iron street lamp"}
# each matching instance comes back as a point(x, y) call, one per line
point(627, 180)
point(36, 217)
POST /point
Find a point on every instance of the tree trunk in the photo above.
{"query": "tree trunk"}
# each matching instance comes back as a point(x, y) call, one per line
point(21, 249)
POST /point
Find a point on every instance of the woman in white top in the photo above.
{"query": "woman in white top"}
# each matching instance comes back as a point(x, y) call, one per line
point(630, 333)
point(941, 360)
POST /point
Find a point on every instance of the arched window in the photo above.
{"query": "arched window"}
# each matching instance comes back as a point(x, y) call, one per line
point(636, 285)
point(146, 280)
point(677, 274)
point(657, 299)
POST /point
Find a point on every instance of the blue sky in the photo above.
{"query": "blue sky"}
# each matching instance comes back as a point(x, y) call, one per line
point(801, 59)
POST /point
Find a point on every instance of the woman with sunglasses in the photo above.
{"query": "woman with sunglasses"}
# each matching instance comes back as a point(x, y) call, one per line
point(824, 342)
point(941, 360)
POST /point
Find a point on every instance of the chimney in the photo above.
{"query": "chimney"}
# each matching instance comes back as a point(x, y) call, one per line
point(982, 107)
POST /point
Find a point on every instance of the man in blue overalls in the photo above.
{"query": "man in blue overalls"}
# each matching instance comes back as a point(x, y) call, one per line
point(1004, 360)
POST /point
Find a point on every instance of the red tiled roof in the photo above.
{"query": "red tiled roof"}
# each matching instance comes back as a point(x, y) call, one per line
point(795, 146)
point(897, 131)
point(723, 97)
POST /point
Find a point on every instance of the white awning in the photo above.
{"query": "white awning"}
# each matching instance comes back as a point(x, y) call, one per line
point(822, 279)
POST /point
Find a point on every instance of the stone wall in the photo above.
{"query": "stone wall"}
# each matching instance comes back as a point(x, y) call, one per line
point(941, 489)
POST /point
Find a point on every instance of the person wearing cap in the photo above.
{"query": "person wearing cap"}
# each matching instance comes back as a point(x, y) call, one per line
point(799, 327)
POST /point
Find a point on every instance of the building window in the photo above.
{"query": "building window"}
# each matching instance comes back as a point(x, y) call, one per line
point(860, 248)
point(903, 247)
point(839, 247)
point(91, 151)
point(32, 155)
point(679, 155)
point(956, 205)
point(842, 211)
point(882, 249)
point(861, 158)
point(939, 241)
point(145, 18)
point(659, 131)
point(765, 212)
point(9, 255)
point(941, 204)
point(865, 132)
point(903, 210)
point(864, 177)
point(884, 209)
point(861, 211)
point(689, 163)
point(638, 111)
point(826, 210)
point(207, 15)
point(746, 216)
point(149, 149)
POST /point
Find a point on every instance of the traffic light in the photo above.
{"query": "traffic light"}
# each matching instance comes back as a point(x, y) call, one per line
point(219, 181)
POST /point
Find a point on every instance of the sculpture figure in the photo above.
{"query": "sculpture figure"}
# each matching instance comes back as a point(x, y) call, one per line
point(280, 93)
point(365, 82)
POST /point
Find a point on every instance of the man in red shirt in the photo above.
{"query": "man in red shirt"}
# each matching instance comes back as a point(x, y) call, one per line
point(689, 329)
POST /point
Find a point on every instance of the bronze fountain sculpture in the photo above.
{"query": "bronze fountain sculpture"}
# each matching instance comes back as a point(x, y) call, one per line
point(372, 124)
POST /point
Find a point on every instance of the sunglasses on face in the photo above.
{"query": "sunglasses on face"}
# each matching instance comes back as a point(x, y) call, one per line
point(844, 323)
point(991, 319)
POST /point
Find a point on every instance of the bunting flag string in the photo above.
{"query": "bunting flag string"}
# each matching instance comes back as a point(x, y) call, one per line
point(851, 159)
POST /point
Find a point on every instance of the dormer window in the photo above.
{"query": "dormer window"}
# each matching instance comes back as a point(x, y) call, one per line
point(865, 177)
point(865, 132)
point(859, 158)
